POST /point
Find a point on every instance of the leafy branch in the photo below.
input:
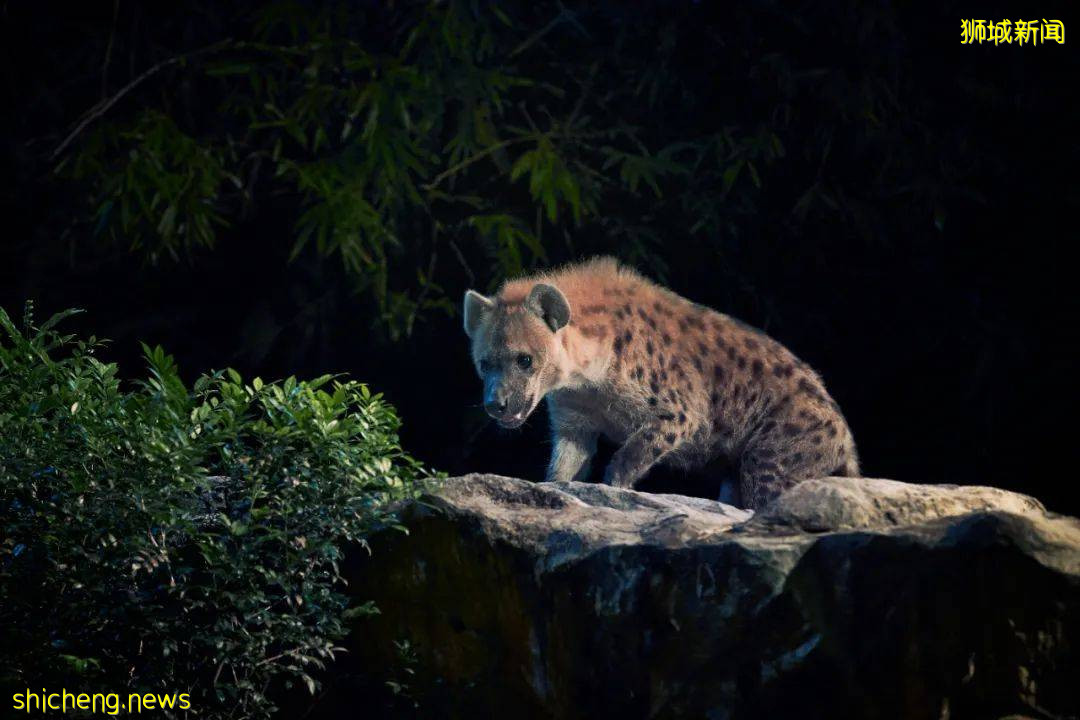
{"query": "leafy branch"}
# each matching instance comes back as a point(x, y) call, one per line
point(457, 115)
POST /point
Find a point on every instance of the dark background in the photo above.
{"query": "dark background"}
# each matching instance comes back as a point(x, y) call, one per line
point(942, 320)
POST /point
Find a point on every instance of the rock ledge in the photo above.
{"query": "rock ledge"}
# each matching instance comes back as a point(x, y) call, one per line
point(844, 598)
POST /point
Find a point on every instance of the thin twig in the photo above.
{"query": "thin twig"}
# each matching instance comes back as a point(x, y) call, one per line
point(584, 94)
point(108, 51)
point(500, 145)
point(539, 34)
point(288, 653)
point(430, 274)
point(525, 111)
point(472, 159)
point(539, 227)
point(465, 265)
point(103, 107)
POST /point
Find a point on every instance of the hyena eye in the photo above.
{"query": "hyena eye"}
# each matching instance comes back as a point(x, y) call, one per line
point(524, 361)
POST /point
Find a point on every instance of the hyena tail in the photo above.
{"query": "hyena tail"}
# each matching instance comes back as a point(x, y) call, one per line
point(850, 466)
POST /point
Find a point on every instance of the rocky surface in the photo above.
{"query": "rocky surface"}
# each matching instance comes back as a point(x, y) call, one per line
point(844, 598)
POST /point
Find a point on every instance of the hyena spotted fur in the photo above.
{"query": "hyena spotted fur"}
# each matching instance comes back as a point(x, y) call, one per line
point(670, 381)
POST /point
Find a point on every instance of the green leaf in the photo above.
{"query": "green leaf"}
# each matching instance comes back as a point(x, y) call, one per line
point(731, 174)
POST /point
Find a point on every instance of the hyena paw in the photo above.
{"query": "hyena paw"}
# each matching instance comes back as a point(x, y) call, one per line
point(615, 478)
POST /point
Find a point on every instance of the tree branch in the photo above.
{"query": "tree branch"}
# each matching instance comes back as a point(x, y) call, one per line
point(103, 107)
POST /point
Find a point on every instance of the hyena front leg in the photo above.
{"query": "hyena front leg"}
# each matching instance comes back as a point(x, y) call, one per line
point(571, 455)
point(574, 444)
point(644, 448)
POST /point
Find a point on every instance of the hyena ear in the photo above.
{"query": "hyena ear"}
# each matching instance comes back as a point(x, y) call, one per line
point(550, 304)
point(477, 308)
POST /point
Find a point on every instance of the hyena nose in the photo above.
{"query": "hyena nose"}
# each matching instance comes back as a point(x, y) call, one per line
point(496, 407)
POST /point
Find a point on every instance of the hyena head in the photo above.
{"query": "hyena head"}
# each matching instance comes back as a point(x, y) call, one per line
point(516, 350)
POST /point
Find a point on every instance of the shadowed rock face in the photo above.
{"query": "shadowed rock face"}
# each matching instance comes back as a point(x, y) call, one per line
point(844, 598)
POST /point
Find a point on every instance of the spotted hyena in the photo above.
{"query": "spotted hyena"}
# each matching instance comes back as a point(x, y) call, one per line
point(670, 381)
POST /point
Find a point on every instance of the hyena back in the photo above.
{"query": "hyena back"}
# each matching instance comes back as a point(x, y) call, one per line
point(670, 381)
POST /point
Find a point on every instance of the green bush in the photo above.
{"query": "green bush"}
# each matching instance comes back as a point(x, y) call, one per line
point(174, 539)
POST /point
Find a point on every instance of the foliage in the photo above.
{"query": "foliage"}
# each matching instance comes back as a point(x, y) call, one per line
point(177, 539)
point(413, 137)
